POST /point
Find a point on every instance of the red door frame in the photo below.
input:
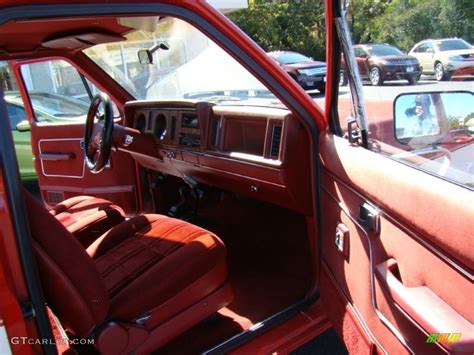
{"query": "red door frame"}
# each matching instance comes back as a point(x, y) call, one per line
point(12, 283)
point(11, 315)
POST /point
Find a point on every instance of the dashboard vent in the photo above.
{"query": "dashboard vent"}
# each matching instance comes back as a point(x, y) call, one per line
point(276, 139)
point(215, 132)
point(173, 128)
point(141, 122)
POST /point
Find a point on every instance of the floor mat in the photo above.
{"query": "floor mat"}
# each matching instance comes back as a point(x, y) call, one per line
point(325, 344)
point(269, 268)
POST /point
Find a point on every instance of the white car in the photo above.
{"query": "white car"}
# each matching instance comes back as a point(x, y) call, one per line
point(443, 57)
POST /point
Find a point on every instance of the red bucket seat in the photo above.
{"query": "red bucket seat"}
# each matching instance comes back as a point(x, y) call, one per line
point(87, 218)
point(135, 288)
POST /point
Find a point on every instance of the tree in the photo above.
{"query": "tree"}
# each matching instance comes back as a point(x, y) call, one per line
point(285, 25)
point(457, 19)
point(403, 23)
point(361, 15)
point(299, 24)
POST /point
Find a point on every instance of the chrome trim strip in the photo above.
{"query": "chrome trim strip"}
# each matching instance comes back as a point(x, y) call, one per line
point(373, 297)
point(353, 308)
point(58, 175)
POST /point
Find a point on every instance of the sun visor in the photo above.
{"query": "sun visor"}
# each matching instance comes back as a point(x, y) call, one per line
point(82, 40)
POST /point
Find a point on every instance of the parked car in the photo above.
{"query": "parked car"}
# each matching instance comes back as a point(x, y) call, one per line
point(48, 107)
point(310, 74)
point(382, 62)
point(444, 57)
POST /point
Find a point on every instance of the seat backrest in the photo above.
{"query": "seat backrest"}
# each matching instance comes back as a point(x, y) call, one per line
point(72, 285)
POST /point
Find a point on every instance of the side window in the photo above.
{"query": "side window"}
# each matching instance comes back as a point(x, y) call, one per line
point(16, 114)
point(419, 108)
point(359, 52)
point(421, 48)
point(16, 111)
point(57, 91)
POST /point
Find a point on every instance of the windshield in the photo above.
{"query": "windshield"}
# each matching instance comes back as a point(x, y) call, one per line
point(452, 45)
point(383, 51)
point(193, 67)
point(291, 57)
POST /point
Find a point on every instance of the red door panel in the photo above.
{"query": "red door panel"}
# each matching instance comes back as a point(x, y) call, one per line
point(60, 157)
point(399, 278)
point(59, 161)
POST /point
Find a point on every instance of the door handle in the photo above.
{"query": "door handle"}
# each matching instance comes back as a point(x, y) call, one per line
point(56, 156)
point(425, 307)
point(369, 217)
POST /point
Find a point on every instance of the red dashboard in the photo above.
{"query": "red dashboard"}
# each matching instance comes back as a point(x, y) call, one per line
point(255, 151)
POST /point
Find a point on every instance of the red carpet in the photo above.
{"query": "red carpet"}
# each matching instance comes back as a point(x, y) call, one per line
point(269, 267)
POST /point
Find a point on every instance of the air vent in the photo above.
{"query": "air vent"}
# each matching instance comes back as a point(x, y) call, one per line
point(141, 122)
point(160, 127)
point(173, 127)
point(215, 132)
point(276, 139)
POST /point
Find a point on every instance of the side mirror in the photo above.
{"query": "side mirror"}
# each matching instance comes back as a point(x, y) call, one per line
point(432, 117)
point(23, 126)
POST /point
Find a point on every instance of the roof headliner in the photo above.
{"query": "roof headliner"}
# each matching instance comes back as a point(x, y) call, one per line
point(27, 36)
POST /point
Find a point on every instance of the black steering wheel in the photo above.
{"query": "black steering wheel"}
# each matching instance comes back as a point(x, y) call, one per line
point(98, 135)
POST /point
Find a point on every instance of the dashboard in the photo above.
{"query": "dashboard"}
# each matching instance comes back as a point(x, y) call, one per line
point(256, 151)
point(170, 125)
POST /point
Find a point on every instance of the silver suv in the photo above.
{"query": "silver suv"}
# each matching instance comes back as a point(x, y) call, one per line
point(444, 57)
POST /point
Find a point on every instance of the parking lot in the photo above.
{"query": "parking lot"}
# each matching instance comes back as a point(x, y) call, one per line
point(391, 89)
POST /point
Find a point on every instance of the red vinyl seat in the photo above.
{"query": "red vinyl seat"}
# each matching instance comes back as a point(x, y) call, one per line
point(135, 288)
point(87, 218)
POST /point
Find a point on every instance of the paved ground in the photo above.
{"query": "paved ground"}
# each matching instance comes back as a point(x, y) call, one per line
point(392, 89)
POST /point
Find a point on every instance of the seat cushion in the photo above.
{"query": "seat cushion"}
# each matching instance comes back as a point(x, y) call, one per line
point(154, 262)
point(87, 218)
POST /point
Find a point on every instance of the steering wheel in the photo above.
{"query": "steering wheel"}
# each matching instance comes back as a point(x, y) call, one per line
point(98, 135)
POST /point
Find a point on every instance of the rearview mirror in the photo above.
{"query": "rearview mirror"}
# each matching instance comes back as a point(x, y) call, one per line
point(434, 117)
point(23, 126)
point(145, 56)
